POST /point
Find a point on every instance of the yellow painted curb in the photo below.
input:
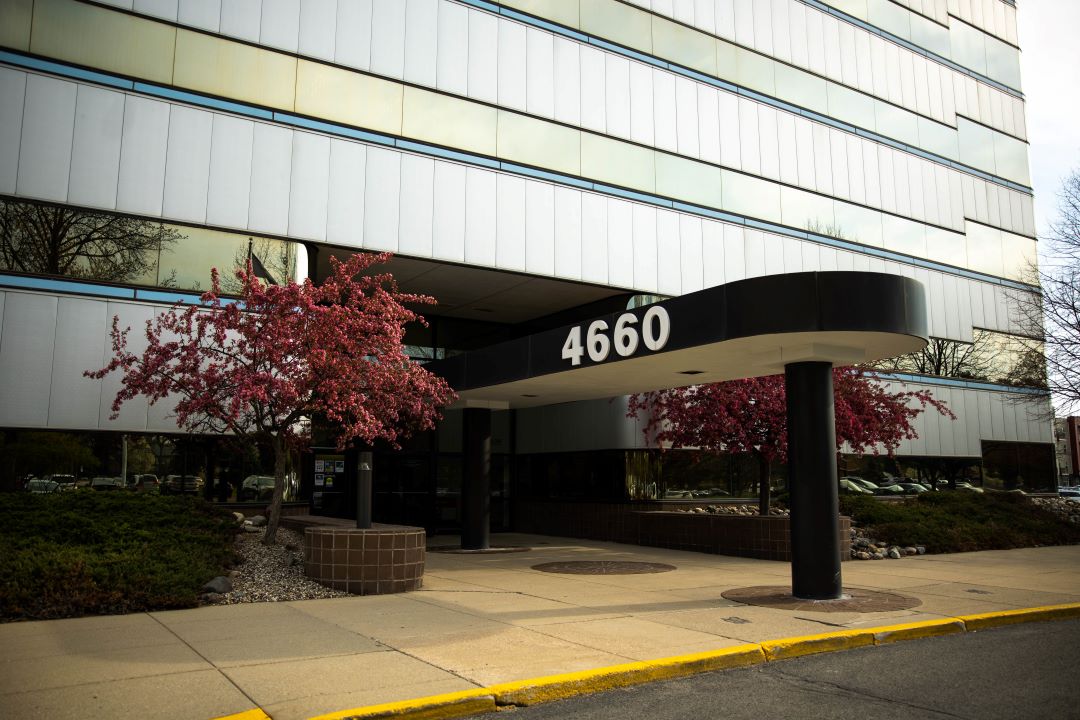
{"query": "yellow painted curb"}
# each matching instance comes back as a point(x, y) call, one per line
point(253, 714)
point(982, 621)
point(558, 687)
point(810, 644)
point(916, 630)
point(433, 707)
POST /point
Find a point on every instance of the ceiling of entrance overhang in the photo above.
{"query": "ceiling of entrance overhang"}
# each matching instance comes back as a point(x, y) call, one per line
point(481, 294)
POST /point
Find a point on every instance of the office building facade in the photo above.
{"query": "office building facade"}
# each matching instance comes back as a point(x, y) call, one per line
point(530, 163)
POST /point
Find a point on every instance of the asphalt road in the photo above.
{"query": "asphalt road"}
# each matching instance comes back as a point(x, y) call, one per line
point(1023, 671)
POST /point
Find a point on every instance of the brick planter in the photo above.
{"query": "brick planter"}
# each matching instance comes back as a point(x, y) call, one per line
point(372, 561)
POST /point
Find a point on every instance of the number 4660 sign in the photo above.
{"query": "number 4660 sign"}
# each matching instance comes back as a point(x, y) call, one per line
point(655, 330)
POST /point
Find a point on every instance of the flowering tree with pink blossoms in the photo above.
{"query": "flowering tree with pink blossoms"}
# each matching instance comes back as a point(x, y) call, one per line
point(750, 416)
point(263, 367)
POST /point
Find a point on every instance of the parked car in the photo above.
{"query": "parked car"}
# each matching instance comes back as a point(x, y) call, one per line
point(146, 482)
point(968, 486)
point(913, 488)
point(39, 486)
point(182, 485)
point(256, 488)
point(847, 486)
point(864, 484)
point(106, 483)
point(891, 490)
point(66, 482)
point(1069, 493)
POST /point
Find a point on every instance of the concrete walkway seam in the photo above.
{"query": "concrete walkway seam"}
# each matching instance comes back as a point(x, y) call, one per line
point(585, 682)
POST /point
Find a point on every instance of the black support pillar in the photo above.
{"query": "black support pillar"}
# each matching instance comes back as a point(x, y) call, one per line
point(812, 481)
point(476, 481)
point(364, 466)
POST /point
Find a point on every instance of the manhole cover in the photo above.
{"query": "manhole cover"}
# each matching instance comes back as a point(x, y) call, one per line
point(457, 549)
point(603, 567)
point(780, 597)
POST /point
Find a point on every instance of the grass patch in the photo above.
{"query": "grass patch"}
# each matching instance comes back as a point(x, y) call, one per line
point(959, 521)
point(93, 553)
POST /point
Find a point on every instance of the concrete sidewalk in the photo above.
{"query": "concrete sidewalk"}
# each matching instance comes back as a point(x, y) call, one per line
point(480, 619)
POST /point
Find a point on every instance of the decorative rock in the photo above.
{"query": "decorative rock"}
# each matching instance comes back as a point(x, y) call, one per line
point(921, 549)
point(212, 598)
point(879, 556)
point(910, 551)
point(239, 517)
point(233, 574)
point(257, 520)
point(220, 585)
point(251, 529)
point(862, 555)
point(881, 544)
point(894, 553)
point(862, 543)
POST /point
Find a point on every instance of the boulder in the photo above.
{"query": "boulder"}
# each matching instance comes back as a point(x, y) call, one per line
point(220, 584)
point(894, 553)
point(921, 549)
point(239, 517)
point(257, 520)
point(251, 528)
point(910, 551)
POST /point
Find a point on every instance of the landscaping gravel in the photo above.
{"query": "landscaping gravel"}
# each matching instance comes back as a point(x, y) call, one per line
point(270, 573)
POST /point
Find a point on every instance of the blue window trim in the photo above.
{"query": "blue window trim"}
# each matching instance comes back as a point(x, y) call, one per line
point(292, 120)
point(952, 382)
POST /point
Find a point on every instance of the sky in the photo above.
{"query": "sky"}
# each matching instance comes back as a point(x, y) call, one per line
point(1050, 73)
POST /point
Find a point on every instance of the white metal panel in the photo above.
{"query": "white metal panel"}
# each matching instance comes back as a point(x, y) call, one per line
point(241, 19)
point(686, 116)
point(540, 73)
point(480, 221)
point(620, 226)
point(838, 150)
point(950, 282)
point(388, 38)
point(915, 191)
point(280, 27)
point(768, 142)
point(448, 215)
point(539, 228)
point(421, 41)
point(132, 415)
point(691, 278)
point(165, 9)
point(382, 191)
point(187, 164)
point(230, 172)
point(593, 95)
point(95, 151)
point(45, 151)
point(708, 124)
point(744, 23)
point(725, 19)
point(713, 263)
point(705, 15)
point(822, 159)
point(345, 193)
point(644, 248)
point(886, 170)
point(512, 65)
point(318, 27)
point(417, 205)
point(271, 164)
point(776, 255)
point(763, 37)
point(855, 168)
point(668, 258)
point(74, 399)
point(452, 72)
point(510, 223)
point(827, 259)
point(935, 295)
point(754, 253)
point(202, 14)
point(12, 94)
point(594, 243)
point(810, 255)
point(567, 232)
point(617, 95)
point(730, 146)
point(781, 39)
point(664, 112)
point(26, 355)
point(309, 187)
point(352, 36)
point(748, 135)
point(567, 82)
point(483, 56)
point(141, 183)
point(736, 259)
point(804, 153)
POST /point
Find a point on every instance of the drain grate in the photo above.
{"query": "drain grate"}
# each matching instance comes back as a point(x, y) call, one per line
point(603, 567)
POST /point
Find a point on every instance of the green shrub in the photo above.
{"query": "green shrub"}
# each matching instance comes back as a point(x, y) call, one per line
point(958, 521)
point(84, 553)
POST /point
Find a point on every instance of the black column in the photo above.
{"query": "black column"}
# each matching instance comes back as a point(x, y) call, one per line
point(476, 480)
point(815, 511)
point(364, 466)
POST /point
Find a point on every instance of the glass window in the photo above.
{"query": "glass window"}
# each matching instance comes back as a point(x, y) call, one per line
point(968, 46)
point(683, 45)
point(904, 236)
point(889, 16)
point(937, 138)
point(334, 94)
point(984, 248)
point(1019, 466)
point(929, 35)
point(755, 71)
point(1011, 158)
point(850, 106)
point(858, 224)
point(976, 145)
point(897, 123)
point(1003, 62)
point(945, 246)
point(801, 88)
point(751, 196)
point(1019, 257)
point(537, 142)
point(807, 211)
point(688, 180)
point(240, 72)
point(450, 121)
point(618, 22)
point(119, 249)
point(618, 162)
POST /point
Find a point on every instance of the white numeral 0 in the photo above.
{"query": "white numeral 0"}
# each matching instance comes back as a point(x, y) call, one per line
point(598, 344)
point(626, 336)
point(655, 335)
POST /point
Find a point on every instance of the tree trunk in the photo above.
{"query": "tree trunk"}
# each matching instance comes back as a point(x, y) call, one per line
point(764, 491)
point(281, 464)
